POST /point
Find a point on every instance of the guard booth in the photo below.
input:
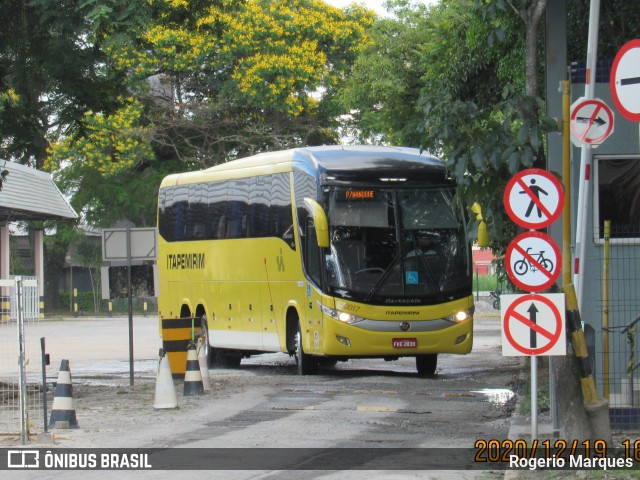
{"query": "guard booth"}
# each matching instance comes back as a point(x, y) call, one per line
point(611, 293)
point(26, 194)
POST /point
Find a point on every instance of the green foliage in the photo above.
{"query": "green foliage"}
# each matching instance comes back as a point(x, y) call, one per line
point(619, 23)
point(207, 82)
point(385, 81)
point(484, 147)
point(49, 75)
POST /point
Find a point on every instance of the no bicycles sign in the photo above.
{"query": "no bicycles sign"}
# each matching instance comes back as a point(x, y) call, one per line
point(533, 261)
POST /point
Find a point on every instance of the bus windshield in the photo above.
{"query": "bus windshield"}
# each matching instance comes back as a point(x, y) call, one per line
point(397, 246)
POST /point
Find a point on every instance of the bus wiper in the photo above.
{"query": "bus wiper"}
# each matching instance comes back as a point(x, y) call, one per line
point(383, 277)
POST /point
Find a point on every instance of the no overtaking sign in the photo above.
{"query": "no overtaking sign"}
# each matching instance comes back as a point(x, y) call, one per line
point(533, 325)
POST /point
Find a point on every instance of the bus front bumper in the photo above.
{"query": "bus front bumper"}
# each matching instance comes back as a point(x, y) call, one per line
point(392, 338)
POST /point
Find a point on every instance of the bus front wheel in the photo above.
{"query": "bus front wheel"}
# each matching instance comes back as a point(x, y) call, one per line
point(426, 364)
point(307, 365)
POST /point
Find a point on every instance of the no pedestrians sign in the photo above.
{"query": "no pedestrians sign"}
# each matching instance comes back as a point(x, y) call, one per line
point(534, 198)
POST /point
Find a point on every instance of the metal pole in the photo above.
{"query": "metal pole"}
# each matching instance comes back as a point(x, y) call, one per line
point(585, 157)
point(534, 397)
point(605, 312)
point(44, 383)
point(23, 376)
point(130, 306)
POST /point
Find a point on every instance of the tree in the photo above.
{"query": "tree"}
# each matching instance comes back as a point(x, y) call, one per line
point(208, 82)
point(455, 86)
point(49, 75)
point(90, 257)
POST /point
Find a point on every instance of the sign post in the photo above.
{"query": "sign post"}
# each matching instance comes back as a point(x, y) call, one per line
point(533, 324)
point(128, 244)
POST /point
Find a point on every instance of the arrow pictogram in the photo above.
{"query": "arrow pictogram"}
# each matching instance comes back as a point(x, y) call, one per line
point(532, 317)
point(598, 121)
point(629, 81)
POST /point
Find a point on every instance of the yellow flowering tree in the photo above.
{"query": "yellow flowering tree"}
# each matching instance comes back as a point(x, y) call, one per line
point(111, 142)
point(207, 81)
point(234, 77)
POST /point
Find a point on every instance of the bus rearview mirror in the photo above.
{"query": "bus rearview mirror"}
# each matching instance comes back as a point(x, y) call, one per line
point(319, 221)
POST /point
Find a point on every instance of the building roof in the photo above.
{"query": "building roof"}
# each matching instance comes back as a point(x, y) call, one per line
point(29, 194)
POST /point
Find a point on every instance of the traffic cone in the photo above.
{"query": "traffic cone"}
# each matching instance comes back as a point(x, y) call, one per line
point(165, 390)
point(204, 365)
point(192, 376)
point(63, 415)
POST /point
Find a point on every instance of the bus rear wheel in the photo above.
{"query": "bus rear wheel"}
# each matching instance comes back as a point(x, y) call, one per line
point(223, 359)
point(307, 365)
point(217, 357)
point(426, 364)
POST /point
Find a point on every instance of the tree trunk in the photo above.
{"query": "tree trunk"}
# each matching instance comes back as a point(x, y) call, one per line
point(571, 411)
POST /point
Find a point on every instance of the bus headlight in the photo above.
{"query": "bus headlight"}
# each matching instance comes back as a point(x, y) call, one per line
point(460, 316)
point(343, 317)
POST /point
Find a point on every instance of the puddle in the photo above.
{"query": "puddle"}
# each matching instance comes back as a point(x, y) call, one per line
point(499, 396)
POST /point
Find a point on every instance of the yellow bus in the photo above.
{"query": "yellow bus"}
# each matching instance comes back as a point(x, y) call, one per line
point(325, 253)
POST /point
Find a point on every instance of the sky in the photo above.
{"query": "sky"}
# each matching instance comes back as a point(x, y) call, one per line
point(372, 4)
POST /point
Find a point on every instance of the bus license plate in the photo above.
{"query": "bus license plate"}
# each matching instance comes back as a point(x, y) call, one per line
point(405, 342)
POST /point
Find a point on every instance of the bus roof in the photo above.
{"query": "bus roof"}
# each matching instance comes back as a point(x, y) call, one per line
point(336, 163)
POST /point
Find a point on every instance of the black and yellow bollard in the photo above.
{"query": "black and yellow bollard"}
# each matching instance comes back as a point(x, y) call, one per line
point(597, 408)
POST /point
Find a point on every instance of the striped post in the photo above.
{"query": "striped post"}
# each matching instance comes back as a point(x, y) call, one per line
point(597, 408)
point(193, 385)
point(63, 415)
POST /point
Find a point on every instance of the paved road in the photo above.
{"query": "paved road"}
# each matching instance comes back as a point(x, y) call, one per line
point(358, 404)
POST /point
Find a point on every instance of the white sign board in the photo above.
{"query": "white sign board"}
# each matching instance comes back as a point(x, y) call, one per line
point(533, 325)
point(143, 243)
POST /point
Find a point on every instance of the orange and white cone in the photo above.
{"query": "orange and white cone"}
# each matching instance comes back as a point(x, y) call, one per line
point(192, 376)
point(63, 415)
point(165, 390)
point(204, 365)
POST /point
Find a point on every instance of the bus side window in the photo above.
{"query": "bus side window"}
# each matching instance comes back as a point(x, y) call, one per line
point(311, 252)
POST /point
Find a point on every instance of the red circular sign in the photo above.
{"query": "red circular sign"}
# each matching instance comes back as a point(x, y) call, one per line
point(512, 314)
point(533, 261)
point(624, 80)
point(534, 198)
point(591, 121)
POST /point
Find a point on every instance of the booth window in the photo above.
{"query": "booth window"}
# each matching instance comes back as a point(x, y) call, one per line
point(617, 197)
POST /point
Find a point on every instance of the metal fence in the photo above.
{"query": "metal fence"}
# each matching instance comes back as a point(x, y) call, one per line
point(616, 343)
point(21, 399)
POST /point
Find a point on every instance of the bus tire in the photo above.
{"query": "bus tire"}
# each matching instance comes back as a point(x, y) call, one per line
point(426, 364)
point(307, 365)
point(208, 350)
point(217, 357)
point(222, 359)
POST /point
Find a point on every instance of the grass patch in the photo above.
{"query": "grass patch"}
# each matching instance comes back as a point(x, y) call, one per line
point(543, 389)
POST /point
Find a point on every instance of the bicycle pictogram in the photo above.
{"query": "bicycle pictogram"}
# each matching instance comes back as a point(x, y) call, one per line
point(531, 261)
point(522, 266)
